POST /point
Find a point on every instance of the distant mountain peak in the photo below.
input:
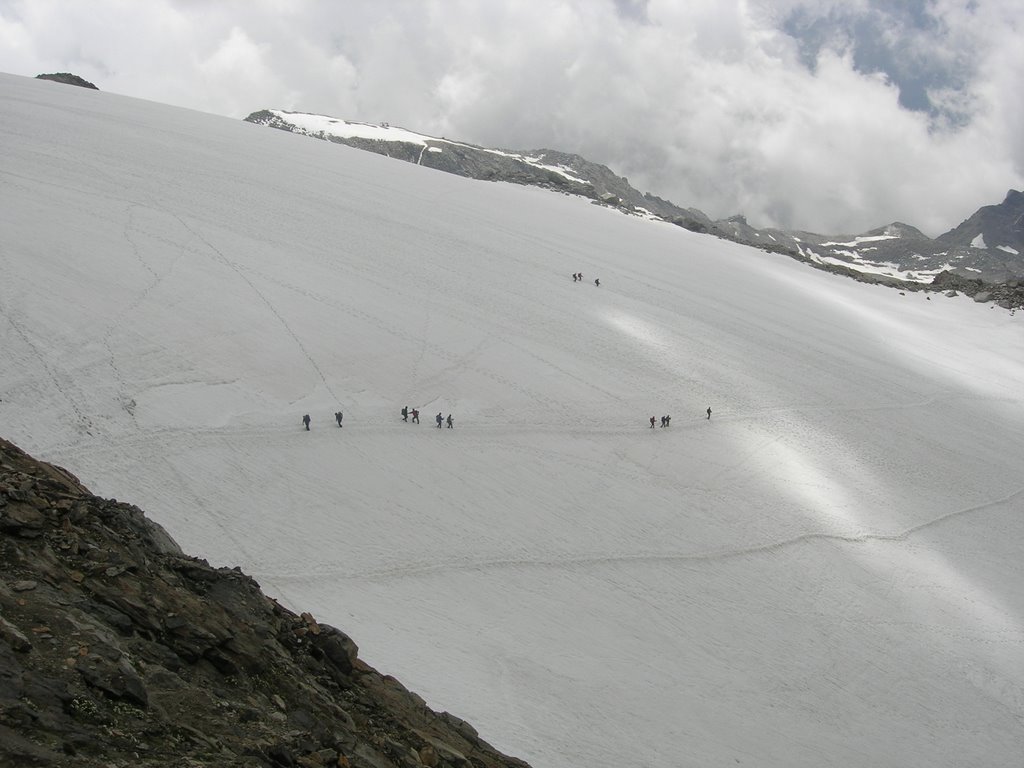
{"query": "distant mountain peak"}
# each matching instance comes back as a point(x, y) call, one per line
point(898, 229)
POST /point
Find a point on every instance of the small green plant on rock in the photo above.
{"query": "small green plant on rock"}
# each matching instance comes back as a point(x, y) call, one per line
point(83, 708)
point(123, 709)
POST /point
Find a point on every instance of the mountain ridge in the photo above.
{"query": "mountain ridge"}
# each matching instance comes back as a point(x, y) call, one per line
point(988, 246)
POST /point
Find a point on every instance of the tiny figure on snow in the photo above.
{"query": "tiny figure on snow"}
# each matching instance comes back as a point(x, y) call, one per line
point(575, 277)
point(652, 422)
point(439, 418)
point(449, 421)
point(668, 421)
point(709, 413)
point(405, 413)
point(597, 283)
point(663, 421)
point(415, 416)
point(338, 417)
point(305, 420)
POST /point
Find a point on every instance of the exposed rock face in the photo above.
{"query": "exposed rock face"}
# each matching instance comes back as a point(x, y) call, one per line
point(118, 650)
point(68, 78)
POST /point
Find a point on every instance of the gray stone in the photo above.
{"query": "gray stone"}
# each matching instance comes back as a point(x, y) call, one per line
point(22, 515)
point(14, 637)
point(119, 680)
point(338, 647)
point(15, 749)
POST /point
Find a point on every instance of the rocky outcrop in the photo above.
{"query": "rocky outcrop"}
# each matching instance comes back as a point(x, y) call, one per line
point(116, 649)
point(1008, 295)
point(69, 79)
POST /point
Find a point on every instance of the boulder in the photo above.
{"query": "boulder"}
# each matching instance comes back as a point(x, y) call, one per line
point(116, 679)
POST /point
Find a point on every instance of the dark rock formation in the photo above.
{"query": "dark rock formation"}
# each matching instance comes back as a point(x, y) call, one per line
point(118, 650)
point(68, 78)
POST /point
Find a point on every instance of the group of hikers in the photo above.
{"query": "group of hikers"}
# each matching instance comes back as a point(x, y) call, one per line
point(577, 277)
point(338, 416)
point(407, 412)
point(667, 420)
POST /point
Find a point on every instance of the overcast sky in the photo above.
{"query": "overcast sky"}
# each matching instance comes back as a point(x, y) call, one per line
point(831, 116)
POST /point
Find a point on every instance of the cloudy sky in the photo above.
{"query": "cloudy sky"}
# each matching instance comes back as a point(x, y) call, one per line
point(835, 116)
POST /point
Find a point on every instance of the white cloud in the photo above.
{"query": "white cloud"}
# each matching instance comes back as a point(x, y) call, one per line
point(705, 103)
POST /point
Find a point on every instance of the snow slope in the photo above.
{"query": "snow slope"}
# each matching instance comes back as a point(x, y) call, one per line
point(826, 572)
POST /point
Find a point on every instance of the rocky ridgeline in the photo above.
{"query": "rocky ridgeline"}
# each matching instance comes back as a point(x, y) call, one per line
point(116, 649)
point(988, 245)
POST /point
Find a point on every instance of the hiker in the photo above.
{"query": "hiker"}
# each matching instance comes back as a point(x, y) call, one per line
point(662, 421)
point(652, 422)
point(439, 418)
point(415, 416)
point(668, 421)
point(575, 277)
point(597, 283)
point(405, 413)
point(338, 417)
point(305, 420)
point(449, 421)
point(709, 413)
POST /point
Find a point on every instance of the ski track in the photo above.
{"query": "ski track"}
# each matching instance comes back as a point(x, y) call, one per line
point(622, 427)
point(83, 423)
point(467, 565)
point(458, 363)
point(126, 400)
point(219, 256)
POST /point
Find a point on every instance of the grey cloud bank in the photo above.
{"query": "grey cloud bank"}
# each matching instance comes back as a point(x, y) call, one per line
point(816, 115)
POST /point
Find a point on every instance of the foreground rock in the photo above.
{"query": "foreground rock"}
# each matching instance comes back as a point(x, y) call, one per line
point(116, 649)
